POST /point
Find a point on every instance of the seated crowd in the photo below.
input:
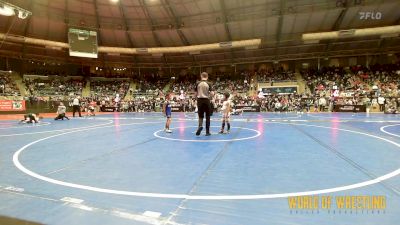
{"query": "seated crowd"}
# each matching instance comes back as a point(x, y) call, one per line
point(149, 83)
point(222, 82)
point(148, 87)
point(108, 89)
point(377, 86)
point(357, 85)
point(53, 87)
point(7, 86)
point(272, 75)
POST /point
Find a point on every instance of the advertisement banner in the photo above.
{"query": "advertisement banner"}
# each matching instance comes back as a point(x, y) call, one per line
point(248, 108)
point(177, 108)
point(350, 108)
point(279, 90)
point(12, 106)
point(108, 109)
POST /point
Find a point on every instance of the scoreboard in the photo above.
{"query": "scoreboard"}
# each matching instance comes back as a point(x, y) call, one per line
point(82, 43)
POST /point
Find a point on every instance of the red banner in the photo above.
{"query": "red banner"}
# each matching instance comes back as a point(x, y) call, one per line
point(11, 105)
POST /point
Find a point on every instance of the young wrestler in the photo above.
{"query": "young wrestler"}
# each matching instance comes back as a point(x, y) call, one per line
point(91, 108)
point(61, 112)
point(30, 118)
point(226, 112)
point(167, 110)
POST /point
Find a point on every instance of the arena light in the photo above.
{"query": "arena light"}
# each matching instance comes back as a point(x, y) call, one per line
point(23, 14)
point(382, 31)
point(7, 11)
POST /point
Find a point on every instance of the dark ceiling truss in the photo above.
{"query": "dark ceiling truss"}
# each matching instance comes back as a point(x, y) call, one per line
point(227, 30)
point(66, 14)
point(150, 20)
point(279, 27)
point(126, 28)
point(338, 23)
point(225, 20)
point(178, 25)
point(98, 26)
point(237, 17)
point(28, 24)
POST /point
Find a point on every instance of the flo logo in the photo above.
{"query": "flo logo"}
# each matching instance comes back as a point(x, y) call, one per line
point(17, 105)
point(370, 15)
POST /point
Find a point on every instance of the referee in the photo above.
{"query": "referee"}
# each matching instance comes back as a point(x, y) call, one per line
point(76, 106)
point(204, 93)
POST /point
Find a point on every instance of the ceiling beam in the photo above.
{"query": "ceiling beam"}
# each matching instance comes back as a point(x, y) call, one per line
point(96, 9)
point(279, 27)
point(98, 27)
point(340, 18)
point(227, 30)
point(126, 28)
point(178, 25)
point(337, 24)
point(150, 20)
point(225, 20)
point(27, 25)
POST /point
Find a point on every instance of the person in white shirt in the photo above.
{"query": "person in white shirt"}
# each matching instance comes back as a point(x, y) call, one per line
point(322, 104)
point(61, 112)
point(278, 106)
point(261, 94)
point(226, 113)
point(381, 102)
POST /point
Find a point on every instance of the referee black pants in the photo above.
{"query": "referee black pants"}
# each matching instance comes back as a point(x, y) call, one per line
point(381, 107)
point(204, 107)
point(76, 108)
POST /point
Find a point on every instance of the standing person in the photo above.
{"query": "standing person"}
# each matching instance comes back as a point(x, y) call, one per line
point(322, 104)
point(167, 110)
point(308, 104)
point(226, 113)
point(76, 107)
point(204, 93)
point(61, 112)
point(315, 105)
point(381, 102)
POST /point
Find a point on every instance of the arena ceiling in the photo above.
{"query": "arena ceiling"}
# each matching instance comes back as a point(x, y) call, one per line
point(164, 23)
